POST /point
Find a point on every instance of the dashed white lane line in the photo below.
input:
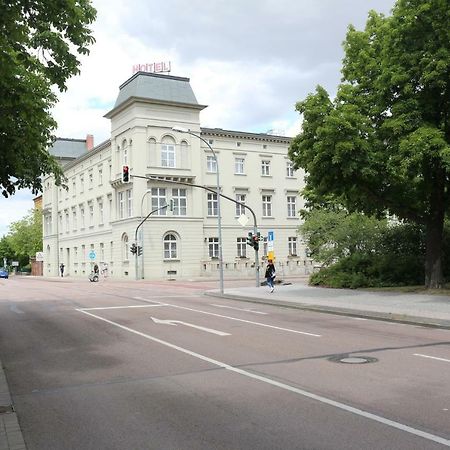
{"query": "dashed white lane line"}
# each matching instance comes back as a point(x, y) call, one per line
point(432, 357)
point(233, 318)
point(287, 387)
point(239, 309)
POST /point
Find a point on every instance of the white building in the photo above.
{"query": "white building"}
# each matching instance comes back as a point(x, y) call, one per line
point(98, 213)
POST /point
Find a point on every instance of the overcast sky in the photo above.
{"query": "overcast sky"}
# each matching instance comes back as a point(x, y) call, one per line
point(250, 61)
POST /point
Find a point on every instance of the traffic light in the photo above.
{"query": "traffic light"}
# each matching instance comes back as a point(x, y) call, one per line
point(125, 174)
point(133, 248)
point(256, 239)
point(139, 250)
point(250, 240)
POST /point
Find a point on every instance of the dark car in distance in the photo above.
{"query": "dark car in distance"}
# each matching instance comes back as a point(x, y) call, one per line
point(4, 273)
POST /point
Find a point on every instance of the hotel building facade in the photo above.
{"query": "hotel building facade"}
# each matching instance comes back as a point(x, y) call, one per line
point(94, 219)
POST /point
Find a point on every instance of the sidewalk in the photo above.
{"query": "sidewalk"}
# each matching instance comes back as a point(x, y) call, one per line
point(10, 433)
point(423, 309)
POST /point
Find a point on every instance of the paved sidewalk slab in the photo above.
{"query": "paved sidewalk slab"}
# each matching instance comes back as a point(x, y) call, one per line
point(433, 310)
point(10, 434)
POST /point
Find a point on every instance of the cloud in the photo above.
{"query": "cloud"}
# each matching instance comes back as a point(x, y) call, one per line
point(250, 61)
point(14, 208)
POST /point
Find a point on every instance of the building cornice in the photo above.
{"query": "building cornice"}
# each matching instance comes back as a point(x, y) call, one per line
point(134, 99)
point(219, 132)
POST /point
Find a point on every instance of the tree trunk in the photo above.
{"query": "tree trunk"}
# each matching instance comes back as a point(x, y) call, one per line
point(433, 256)
point(434, 234)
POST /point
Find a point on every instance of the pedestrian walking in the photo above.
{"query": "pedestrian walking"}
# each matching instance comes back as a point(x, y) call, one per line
point(61, 268)
point(270, 274)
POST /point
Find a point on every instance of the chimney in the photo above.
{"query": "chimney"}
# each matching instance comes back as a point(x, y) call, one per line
point(89, 142)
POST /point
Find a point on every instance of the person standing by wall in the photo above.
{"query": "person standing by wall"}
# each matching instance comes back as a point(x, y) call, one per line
point(61, 268)
point(270, 274)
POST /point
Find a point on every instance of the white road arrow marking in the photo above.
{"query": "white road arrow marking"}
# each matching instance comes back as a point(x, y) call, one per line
point(179, 322)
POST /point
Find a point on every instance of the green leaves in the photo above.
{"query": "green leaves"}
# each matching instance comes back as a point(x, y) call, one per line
point(382, 145)
point(37, 42)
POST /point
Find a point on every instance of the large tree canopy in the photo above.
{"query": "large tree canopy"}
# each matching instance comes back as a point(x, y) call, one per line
point(383, 144)
point(39, 44)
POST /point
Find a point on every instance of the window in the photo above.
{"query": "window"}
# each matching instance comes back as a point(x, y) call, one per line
point(91, 179)
point(289, 169)
point(74, 219)
point(213, 247)
point(129, 193)
point(179, 202)
point(267, 205)
point(125, 153)
point(212, 204)
point(81, 183)
point(48, 224)
point(170, 247)
point(291, 203)
point(74, 186)
point(211, 164)
point(159, 200)
point(239, 166)
point(121, 205)
point(167, 155)
point(292, 246)
point(91, 214)
point(265, 168)
point(102, 251)
point(125, 247)
point(83, 252)
point(239, 208)
point(100, 175)
point(67, 221)
point(264, 246)
point(82, 218)
point(110, 202)
point(242, 247)
point(100, 212)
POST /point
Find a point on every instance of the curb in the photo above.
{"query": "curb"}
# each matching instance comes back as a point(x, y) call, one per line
point(11, 437)
point(375, 315)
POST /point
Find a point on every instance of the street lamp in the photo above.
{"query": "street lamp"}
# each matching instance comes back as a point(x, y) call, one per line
point(219, 218)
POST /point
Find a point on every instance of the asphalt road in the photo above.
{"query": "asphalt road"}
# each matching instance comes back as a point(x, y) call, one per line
point(125, 365)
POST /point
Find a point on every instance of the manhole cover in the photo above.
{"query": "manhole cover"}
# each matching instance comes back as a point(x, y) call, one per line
point(347, 359)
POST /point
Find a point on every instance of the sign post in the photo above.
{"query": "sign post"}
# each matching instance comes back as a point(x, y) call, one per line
point(270, 251)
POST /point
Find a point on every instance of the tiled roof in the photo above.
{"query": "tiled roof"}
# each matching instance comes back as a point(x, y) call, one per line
point(68, 148)
point(154, 86)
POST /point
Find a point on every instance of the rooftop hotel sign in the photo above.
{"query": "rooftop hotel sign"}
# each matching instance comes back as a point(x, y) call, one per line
point(155, 67)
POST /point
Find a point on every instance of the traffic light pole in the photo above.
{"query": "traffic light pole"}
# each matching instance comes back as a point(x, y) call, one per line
point(255, 225)
point(136, 238)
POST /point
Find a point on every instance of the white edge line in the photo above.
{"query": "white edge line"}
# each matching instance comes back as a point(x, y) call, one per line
point(119, 307)
point(234, 318)
point(319, 398)
point(240, 309)
point(432, 357)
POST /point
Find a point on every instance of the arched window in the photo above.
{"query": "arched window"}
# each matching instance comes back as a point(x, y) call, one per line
point(168, 152)
point(125, 247)
point(125, 153)
point(184, 155)
point(170, 246)
point(151, 155)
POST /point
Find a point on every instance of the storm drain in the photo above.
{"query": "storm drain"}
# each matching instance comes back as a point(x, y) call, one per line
point(348, 359)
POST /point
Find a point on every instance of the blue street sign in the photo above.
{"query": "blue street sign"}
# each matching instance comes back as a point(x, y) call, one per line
point(92, 254)
point(270, 236)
